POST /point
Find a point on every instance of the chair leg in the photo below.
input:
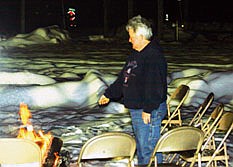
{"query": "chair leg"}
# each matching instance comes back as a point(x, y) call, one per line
point(167, 158)
point(168, 113)
point(179, 117)
point(199, 160)
point(184, 164)
point(225, 153)
point(130, 164)
point(215, 163)
point(155, 161)
point(172, 158)
point(151, 160)
point(220, 145)
point(179, 162)
point(194, 160)
point(79, 164)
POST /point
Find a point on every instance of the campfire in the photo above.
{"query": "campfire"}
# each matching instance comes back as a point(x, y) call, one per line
point(50, 146)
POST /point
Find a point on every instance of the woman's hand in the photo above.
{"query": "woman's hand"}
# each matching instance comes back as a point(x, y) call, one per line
point(103, 100)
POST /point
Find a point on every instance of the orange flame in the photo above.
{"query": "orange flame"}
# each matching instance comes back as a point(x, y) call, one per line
point(56, 159)
point(27, 132)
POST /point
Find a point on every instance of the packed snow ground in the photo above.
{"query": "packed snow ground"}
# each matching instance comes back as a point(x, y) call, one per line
point(61, 82)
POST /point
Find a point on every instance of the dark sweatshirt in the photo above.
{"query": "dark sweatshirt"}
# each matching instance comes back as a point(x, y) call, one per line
point(142, 83)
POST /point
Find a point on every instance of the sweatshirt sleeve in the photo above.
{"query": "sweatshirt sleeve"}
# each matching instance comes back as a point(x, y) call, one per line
point(155, 83)
point(114, 91)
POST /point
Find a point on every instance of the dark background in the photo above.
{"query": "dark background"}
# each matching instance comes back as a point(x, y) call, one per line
point(90, 13)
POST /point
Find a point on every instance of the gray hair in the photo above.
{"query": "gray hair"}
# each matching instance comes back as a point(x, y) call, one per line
point(140, 26)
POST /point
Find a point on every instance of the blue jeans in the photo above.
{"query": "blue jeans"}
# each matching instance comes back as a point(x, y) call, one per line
point(147, 135)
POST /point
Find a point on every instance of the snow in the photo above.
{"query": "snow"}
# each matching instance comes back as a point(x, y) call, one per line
point(203, 83)
point(51, 34)
point(24, 78)
point(61, 80)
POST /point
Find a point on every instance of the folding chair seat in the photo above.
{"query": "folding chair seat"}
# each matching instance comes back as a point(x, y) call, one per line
point(219, 152)
point(174, 104)
point(16, 152)
point(178, 140)
point(197, 119)
point(107, 146)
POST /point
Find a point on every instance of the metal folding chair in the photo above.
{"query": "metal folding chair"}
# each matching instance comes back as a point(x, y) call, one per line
point(184, 138)
point(19, 152)
point(173, 107)
point(107, 146)
point(197, 119)
point(218, 151)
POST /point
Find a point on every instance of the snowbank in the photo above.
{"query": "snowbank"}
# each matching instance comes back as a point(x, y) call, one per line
point(87, 91)
point(48, 35)
point(24, 78)
point(202, 82)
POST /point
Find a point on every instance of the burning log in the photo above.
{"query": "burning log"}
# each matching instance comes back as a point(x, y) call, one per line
point(52, 158)
point(50, 146)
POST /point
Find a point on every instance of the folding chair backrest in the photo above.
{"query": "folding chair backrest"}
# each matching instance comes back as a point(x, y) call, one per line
point(179, 139)
point(108, 145)
point(173, 107)
point(213, 119)
point(178, 95)
point(14, 151)
point(225, 122)
point(197, 119)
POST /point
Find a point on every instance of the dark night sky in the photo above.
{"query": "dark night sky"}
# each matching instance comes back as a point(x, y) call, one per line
point(41, 13)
